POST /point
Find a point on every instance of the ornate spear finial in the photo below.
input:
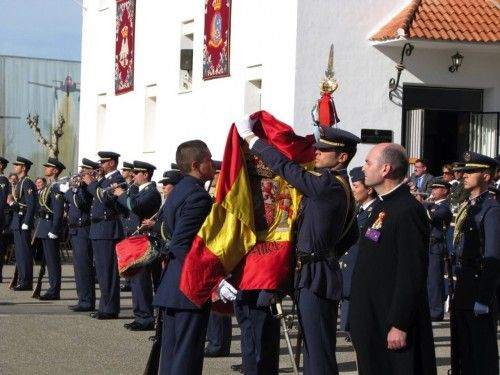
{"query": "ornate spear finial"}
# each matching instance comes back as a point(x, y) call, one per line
point(329, 84)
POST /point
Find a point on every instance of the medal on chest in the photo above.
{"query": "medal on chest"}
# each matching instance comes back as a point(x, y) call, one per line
point(373, 233)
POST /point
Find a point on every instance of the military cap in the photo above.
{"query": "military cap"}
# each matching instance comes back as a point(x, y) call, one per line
point(53, 162)
point(330, 138)
point(143, 166)
point(474, 161)
point(171, 177)
point(457, 166)
point(89, 164)
point(107, 155)
point(23, 161)
point(440, 183)
point(3, 160)
point(357, 174)
point(127, 166)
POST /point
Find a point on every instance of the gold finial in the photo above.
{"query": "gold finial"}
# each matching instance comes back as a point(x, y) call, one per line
point(329, 83)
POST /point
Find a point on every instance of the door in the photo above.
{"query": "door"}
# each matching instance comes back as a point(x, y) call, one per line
point(484, 132)
point(414, 135)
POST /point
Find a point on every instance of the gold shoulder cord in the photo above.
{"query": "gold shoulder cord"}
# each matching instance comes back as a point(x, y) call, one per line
point(459, 222)
point(17, 197)
point(350, 206)
point(43, 197)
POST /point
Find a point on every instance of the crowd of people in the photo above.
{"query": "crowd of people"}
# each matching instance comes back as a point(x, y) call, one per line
point(390, 253)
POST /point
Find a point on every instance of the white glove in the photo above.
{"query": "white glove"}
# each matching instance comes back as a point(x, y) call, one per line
point(63, 188)
point(226, 291)
point(25, 227)
point(245, 127)
point(52, 236)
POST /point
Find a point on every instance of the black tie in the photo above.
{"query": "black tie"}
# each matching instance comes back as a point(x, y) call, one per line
point(360, 211)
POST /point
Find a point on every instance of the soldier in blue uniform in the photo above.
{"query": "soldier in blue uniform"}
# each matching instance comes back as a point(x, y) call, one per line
point(4, 193)
point(366, 199)
point(325, 219)
point(130, 221)
point(23, 202)
point(440, 216)
point(49, 226)
point(105, 231)
point(477, 236)
point(184, 324)
point(78, 201)
point(144, 204)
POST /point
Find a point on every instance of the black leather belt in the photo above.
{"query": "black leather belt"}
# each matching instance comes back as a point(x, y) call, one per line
point(313, 257)
point(81, 224)
point(470, 262)
point(100, 219)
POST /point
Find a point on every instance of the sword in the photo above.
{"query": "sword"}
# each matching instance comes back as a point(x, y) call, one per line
point(278, 314)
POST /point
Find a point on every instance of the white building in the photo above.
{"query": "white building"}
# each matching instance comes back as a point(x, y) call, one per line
point(278, 55)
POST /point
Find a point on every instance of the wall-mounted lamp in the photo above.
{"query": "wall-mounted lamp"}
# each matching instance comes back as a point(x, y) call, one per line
point(456, 61)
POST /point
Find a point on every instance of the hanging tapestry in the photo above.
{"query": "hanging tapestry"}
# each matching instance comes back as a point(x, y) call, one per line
point(216, 39)
point(124, 47)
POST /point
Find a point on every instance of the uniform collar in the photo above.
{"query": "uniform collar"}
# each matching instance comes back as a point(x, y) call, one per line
point(108, 175)
point(144, 185)
point(364, 206)
point(390, 192)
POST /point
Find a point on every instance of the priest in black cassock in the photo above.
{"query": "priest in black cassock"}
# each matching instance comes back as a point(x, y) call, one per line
point(390, 324)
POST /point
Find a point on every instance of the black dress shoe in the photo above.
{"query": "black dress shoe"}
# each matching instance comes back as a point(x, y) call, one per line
point(437, 319)
point(237, 368)
point(215, 353)
point(134, 326)
point(49, 297)
point(103, 316)
point(22, 287)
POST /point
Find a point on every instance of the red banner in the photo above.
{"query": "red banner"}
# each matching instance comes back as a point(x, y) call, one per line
point(124, 47)
point(216, 39)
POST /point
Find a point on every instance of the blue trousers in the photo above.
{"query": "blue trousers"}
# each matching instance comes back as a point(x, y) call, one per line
point(183, 340)
point(260, 337)
point(344, 316)
point(219, 334)
point(142, 297)
point(53, 260)
point(318, 320)
point(435, 285)
point(24, 257)
point(83, 265)
point(106, 267)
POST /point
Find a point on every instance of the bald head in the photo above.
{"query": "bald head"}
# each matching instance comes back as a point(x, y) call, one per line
point(385, 162)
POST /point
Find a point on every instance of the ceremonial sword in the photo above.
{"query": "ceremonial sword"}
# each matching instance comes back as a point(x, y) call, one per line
point(278, 314)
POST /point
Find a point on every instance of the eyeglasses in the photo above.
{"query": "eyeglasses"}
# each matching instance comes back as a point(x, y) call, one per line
point(137, 172)
point(447, 172)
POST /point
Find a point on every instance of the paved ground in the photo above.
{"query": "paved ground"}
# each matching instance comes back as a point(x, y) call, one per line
point(47, 338)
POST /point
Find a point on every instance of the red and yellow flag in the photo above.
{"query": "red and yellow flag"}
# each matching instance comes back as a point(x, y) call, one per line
point(228, 241)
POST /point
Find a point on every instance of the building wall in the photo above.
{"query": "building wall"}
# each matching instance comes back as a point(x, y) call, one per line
point(284, 45)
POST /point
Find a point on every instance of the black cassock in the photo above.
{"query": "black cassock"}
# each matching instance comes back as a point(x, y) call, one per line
point(389, 289)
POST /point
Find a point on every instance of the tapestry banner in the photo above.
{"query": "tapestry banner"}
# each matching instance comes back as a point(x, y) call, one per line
point(124, 46)
point(216, 39)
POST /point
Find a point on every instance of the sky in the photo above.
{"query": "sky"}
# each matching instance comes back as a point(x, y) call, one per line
point(41, 28)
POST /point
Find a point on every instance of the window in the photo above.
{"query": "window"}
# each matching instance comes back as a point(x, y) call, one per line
point(186, 56)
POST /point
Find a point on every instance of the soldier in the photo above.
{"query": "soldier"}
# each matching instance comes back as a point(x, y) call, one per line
point(144, 204)
point(23, 202)
point(130, 221)
point(366, 199)
point(79, 201)
point(49, 226)
point(4, 193)
point(389, 313)
point(477, 237)
point(105, 231)
point(327, 211)
point(439, 214)
point(184, 324)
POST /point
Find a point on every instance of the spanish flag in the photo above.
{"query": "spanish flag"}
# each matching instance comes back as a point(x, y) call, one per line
point(231, 240)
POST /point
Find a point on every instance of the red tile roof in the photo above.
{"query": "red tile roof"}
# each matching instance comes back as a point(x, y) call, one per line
point(448, 20)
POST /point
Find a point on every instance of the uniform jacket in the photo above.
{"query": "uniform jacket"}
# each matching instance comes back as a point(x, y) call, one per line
point(389, 287)
point(324, 207)
point(25, 201)
point(143, 204)
point(78, 201)
point(104, 212)
point(425, 187)
point(184, 213)
point(130, 220)
point(439, 215)
point(348, 260)
point(50, 211)
point(4, 192)
point(479, 252)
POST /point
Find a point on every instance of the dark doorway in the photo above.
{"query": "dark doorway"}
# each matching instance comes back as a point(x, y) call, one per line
point(446, 138)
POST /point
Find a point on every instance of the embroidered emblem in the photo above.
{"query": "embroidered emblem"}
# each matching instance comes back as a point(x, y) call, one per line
point(467, 156)
point(373, 233)
point(30, 191)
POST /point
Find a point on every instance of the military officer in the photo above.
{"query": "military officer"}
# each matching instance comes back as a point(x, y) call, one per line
point(327, 214)
point(49, 226)
point(105, 231)
point(23, 202)
point(440, 216)
point(184, 324)
point(477, 237)
point(366, 199)
point(4, 193)
point(144, 204)
point(79, 200)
